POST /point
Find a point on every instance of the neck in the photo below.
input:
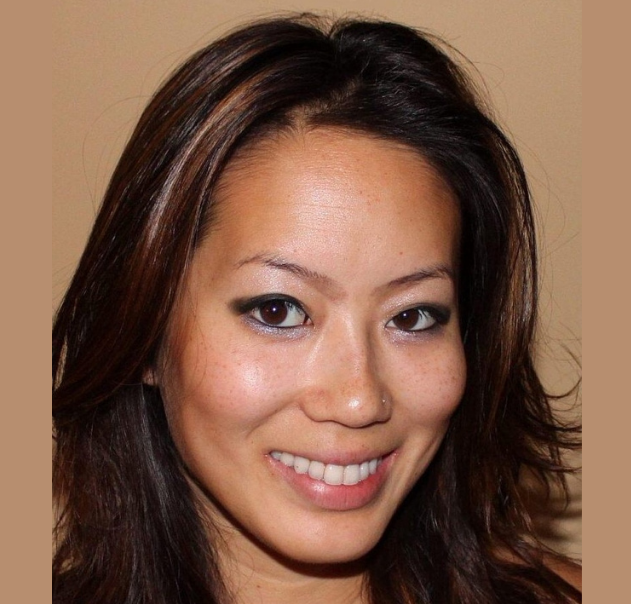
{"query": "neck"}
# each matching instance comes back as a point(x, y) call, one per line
point(286, 586)
point(255, 574)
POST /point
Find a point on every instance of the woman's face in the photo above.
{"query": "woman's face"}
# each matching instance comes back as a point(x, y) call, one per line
point(314, 359)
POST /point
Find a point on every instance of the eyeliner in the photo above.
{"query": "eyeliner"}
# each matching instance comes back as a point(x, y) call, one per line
point(242, 306)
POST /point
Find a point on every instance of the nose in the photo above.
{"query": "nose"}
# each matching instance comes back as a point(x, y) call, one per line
point(346, 385)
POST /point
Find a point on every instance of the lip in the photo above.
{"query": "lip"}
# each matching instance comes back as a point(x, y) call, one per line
point(337, 497)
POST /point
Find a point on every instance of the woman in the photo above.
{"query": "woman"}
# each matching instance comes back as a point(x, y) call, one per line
point(294, 364)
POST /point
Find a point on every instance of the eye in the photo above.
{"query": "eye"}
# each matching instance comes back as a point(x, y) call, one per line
point(414, 319)
point(279, 313)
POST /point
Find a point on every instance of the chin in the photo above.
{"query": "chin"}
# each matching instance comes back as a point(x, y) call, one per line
point(326, 547)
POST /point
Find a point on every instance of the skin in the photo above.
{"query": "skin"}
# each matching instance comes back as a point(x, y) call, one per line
point(357, 214)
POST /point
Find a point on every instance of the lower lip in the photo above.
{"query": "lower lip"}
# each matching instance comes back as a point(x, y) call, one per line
point(336, 497)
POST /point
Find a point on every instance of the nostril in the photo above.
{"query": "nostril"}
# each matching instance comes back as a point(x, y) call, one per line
point(347, 406)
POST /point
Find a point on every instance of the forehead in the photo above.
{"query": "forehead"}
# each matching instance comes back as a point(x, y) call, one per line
point(337, 202)
point(330, 169)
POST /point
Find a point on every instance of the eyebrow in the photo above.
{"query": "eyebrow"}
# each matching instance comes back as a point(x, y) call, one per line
point(433, 272)
point(299, 271)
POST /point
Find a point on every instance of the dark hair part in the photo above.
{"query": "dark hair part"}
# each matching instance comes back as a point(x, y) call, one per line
point(129, 528)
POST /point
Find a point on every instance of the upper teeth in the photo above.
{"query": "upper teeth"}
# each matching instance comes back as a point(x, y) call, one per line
point(329, 473)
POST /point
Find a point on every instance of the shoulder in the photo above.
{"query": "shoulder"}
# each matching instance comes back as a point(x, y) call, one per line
point(566, 569)
point(563, 567)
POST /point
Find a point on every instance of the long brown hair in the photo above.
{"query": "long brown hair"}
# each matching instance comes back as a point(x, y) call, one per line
point(129, 527)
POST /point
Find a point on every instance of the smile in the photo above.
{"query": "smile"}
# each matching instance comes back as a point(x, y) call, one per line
point(331, 474)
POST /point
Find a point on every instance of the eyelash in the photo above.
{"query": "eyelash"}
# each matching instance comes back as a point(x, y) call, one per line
point(255, 306)
point(438, 314)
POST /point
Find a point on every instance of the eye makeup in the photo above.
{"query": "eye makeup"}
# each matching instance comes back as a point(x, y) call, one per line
point(420, 318)
point(273, 311)
point(281, 312)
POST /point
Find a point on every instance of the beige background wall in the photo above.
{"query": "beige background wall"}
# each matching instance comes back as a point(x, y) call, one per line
point(108, 57)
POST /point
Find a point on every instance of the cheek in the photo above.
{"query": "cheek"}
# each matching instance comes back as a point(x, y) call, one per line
point(213, 387)
point(432, 385)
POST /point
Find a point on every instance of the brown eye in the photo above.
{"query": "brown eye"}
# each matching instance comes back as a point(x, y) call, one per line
point(279, 313)
point(415, 319)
